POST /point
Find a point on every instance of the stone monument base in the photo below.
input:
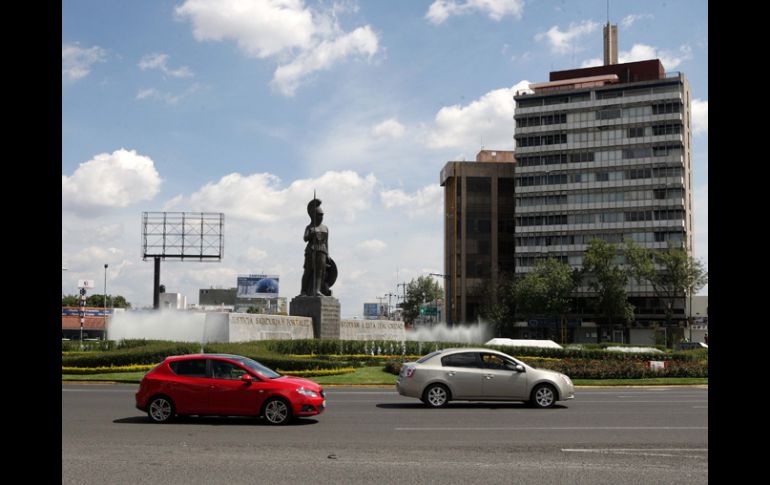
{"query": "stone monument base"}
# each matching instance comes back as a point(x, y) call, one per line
point(324, 310)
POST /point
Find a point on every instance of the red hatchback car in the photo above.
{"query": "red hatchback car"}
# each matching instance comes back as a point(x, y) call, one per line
point(225, 385)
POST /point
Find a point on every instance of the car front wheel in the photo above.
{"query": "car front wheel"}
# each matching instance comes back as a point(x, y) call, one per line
point(543, 396)
point(436, 396)
point(160, 409)
point(277, 411)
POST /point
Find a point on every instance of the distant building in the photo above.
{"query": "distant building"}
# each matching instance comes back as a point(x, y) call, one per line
point(173, 301)
point(227, 299)
point(478, 230)
point(604, 152)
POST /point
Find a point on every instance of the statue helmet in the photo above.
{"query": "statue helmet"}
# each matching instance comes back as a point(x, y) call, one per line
point(314, 207)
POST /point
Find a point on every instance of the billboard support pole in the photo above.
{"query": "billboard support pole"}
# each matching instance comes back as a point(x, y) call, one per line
point(156, 285)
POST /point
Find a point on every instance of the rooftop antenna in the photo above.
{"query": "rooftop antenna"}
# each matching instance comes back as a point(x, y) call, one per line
point(608, 12)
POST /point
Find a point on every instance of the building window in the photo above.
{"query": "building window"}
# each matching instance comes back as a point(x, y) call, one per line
point(608, 114)
point(636, 132)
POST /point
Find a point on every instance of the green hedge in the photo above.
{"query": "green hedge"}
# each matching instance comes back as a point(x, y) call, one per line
point(622, 369)
point(602, 369)
point(154, 352)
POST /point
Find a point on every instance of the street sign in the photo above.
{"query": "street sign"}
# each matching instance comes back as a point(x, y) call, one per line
point(86, 284)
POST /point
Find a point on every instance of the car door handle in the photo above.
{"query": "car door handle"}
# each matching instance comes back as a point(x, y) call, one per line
point(489, 377)
point(450, 374)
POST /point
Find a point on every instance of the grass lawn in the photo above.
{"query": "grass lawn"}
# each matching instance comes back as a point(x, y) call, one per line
point(362, 375)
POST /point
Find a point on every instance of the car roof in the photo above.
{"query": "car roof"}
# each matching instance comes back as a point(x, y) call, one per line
point(455, 350)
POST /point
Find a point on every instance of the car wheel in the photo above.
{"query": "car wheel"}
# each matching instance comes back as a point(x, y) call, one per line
point(277, 411)
point(543, 396)
point(161, 409)
point(436, 396)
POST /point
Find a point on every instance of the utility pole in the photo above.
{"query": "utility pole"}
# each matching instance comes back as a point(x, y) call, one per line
point(381, 298)
point(389, 295)
point(448, 303)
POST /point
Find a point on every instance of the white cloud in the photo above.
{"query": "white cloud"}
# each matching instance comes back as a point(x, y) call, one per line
point(486, 121)
point(160, 62)
point(370, 248)
point(429, 200)
point(362, 41)
point(563, 42)
point(261, 198)
point(592, 62)
point(642, 52)
point(700, 116)
point(629, 20)
point(389, 128)
point(76, 61)
point(110, 181)
point(440, 10)
point(256, 254)
point(167, 97)
point(302, 40)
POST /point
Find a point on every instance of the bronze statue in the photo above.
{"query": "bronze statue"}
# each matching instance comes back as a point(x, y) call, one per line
point(320, 270)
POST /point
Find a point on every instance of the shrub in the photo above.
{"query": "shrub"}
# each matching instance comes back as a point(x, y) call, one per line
point(393, 367)
point(318, 373)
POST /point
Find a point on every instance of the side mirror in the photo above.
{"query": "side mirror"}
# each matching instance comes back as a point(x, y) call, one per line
point(247, 378)
point(519, 368)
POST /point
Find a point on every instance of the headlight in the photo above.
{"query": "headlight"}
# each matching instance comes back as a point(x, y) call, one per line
point(307, 392)
point(566, 379)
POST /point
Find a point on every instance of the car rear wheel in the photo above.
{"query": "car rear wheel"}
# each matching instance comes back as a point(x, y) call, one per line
point(543, 396)
point(436, 396)
point(277, 411)
point(160, 409)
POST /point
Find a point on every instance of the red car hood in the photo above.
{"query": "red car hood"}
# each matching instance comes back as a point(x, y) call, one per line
point(299, 382)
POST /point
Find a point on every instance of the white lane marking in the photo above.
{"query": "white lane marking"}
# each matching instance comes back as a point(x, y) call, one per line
point(556, 428)
point(577, 399)
point(670, 452)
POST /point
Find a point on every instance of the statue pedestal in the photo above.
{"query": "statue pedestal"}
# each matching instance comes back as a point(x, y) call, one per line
point(324, 310)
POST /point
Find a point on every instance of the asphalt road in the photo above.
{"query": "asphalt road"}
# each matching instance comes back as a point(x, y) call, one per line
point(373, 435)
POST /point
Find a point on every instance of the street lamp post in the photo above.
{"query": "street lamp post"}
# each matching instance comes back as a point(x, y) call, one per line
point(104, 303)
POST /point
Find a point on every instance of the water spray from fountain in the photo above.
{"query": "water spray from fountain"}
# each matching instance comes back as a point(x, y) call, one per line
point(476, 333)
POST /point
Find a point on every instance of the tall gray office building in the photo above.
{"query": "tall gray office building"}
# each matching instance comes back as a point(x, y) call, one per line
point(604, 152)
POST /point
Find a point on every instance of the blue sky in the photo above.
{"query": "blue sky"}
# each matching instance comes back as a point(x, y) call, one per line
point(245, 107)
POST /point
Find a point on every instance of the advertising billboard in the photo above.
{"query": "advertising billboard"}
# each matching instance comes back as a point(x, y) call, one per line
point(257, 286)
point(371, 311)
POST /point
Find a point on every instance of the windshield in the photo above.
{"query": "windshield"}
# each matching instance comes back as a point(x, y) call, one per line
point(259, 368)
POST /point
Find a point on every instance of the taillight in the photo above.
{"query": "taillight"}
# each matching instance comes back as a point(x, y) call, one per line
point(409, 372)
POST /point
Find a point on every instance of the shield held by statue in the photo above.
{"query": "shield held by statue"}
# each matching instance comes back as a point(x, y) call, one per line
point(330, 276)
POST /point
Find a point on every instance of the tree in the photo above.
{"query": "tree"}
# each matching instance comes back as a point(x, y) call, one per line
point(419, 291)
point(499, 305)
point(97, 300)
point(671, 273)
point(547, 290)
point(608, 280)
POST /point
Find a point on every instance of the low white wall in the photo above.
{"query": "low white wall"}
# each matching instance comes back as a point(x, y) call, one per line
point(244, 327)
point(372, 330)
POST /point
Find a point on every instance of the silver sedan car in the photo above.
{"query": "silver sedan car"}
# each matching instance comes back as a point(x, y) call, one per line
point(469, 374)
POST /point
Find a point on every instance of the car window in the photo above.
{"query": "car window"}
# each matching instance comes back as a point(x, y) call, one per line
point(189, 368)
point(464, 359)
point(221, 369)
point(492, 361)
point(259, 368)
